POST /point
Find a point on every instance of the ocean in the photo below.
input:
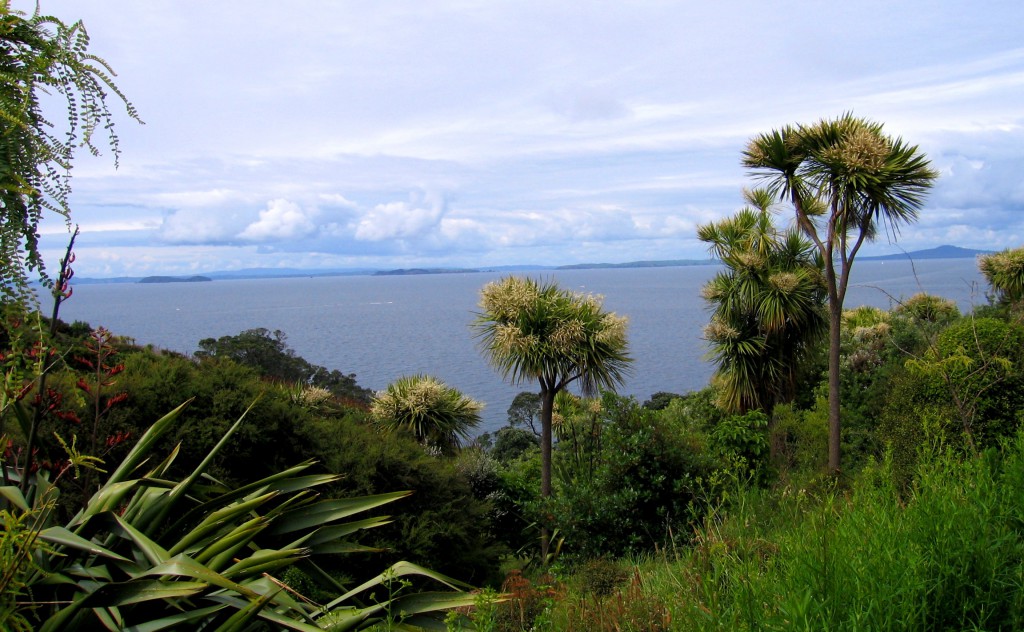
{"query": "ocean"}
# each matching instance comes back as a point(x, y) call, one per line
point(384, 327)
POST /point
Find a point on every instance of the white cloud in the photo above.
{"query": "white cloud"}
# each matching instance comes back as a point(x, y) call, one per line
point(556, 131)
point(280, 221)
point(401, 220)
point(198, 226)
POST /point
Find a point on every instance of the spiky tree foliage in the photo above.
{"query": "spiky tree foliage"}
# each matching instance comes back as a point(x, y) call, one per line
point(768, 306)
point(148, 552)
point(42, 55)
point(438, 415)
point(1004, 272)
point(533, 330)
point(848, 181)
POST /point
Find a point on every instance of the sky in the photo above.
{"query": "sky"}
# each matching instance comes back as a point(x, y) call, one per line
point(480, 133)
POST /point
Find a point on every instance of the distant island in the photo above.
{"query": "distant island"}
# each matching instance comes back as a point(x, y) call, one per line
point(942, 252)
point(671, 263)
point(171, 279)
point(412, 271)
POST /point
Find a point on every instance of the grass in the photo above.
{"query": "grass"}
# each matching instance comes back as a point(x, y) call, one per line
point(946, 554)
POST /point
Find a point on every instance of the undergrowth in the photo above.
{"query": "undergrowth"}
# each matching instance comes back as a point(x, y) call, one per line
point(947, 553)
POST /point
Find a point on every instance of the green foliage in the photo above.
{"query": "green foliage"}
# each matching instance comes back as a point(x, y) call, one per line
point(660, 400)
point(19, 545)
point(220, 390)
point(947, 557)
point(268, 352)
point(768, 307)
point(153, 552)
point(436, 414)
point(630, 607)
point(799, 439)
point(41, 55)
point(512, 443)
point(741, 441)
point(634, 488)
point(967, 390)
point(446, 523)
point(1004, 272)
point(600, 576)
point(696, 410)
point(927, 308)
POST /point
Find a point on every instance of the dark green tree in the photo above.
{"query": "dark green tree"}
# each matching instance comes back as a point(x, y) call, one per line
point(525, 411)
point(847, 181)
point(268, 352)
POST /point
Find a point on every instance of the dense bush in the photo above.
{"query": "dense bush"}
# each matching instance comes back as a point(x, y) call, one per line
point(443, 524)
point(966, 391)
point(636, 490)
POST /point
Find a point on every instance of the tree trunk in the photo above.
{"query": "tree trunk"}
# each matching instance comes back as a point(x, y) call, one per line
point(835, 321)
point(547, 406)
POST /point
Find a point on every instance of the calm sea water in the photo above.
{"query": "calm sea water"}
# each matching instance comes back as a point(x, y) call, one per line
point(384, 327)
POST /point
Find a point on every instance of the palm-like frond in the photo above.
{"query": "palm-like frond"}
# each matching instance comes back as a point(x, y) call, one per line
point(530, 330)
point(429, 409)
point(768, 305)
point(1004, 272)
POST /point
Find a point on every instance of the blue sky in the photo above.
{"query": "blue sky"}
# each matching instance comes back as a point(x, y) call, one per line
point(329, 134)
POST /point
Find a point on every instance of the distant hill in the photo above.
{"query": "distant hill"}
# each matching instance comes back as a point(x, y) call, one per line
point(671, 263)
point(171, 279)
point(412, 271)
point(942, 252)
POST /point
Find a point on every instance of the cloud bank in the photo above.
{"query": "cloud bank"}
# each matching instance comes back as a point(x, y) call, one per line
point(474, 133)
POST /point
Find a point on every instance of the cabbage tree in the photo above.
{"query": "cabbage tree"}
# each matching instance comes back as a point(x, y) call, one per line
point(768, 304)
point(533, 330)
point(848, 181)
point(438, 415)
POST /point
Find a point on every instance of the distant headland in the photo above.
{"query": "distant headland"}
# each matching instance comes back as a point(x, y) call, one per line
point(172, 279)
point(941, 252)
point(412, 271)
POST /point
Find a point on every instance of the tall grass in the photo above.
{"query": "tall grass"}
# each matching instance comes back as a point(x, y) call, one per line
point(946, 554)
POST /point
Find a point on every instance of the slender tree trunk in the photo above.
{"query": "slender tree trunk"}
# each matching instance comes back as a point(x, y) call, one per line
point(835, 321)
point(547, 406)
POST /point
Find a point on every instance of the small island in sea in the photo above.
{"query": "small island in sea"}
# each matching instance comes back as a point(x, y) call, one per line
point(411, 271)
point(171, 279)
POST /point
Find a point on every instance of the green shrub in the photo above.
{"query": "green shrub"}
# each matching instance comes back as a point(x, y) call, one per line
point(967, 391)
point(636, 489)
point(443, 524)
point(947, 554)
